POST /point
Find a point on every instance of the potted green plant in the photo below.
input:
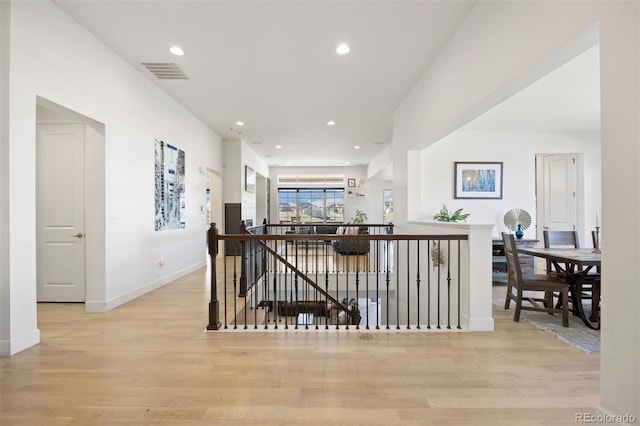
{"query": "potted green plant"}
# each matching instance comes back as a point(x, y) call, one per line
point(359, 218)
point(445, 215)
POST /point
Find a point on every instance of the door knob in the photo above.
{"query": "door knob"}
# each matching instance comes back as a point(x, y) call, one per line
point(78, 235)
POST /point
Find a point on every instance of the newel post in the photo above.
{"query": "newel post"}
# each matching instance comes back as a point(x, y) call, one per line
point(214, 308)
point(242, 291)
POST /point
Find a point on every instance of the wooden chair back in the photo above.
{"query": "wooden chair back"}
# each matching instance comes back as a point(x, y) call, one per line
point(559, 239)
point(514, 269)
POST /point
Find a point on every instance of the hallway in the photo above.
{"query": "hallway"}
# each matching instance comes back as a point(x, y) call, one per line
point(149, 362)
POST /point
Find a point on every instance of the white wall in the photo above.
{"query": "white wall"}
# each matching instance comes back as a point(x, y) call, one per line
point(53, 57)
point(382, 161)
point(237, 155)
point(517, 151)
point(233, 170)
point(500, 49)
point(376, 202)
point(250, 199)
point(5, 253)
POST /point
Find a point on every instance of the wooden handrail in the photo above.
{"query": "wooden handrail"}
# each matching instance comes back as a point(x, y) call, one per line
point(258, 245)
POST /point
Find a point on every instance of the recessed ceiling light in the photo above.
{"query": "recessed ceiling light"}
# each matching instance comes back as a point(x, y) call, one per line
point(278, 146)
point(331, 123)
point(347, 162)
point(343, 49)
point(176, 50)
point(240, 123)
point(356, 147)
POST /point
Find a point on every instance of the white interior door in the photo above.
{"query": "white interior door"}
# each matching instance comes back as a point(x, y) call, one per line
point(560, 192)
point(557, 195)
point(60, 213)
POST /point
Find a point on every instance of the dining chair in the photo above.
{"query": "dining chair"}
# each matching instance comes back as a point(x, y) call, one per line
point(559, 239)
point(519, 283)
point(569, 239)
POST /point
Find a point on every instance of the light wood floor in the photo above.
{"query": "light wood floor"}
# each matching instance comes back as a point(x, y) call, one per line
point(150, 363)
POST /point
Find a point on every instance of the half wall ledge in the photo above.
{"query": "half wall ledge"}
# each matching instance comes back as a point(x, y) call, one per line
point(476, 260)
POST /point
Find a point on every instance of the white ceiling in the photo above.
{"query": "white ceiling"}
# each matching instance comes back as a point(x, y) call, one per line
point(272, 65)
point(566, 100)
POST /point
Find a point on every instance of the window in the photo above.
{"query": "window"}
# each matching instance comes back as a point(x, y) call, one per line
point(387, 208)
point(310, 205)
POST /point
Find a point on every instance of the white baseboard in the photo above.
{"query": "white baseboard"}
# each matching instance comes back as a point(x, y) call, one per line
point(114, 302)
point(13, 346)
point(478, 324)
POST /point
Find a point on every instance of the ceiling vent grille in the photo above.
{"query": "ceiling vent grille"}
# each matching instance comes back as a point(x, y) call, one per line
point(165, 70)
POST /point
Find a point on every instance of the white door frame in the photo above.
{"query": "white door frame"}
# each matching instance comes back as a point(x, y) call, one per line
point(579, 198)
point(48, 112)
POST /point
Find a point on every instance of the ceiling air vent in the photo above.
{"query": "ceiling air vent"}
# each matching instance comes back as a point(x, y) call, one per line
point(165, 70)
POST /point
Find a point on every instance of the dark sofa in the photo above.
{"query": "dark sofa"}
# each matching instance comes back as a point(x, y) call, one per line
point(310, 228)
point(353, 246)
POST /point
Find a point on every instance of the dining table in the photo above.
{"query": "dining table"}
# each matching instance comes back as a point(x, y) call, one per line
point(576, 265)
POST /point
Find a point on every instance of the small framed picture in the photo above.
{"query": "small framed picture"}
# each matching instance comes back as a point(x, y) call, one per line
point(478, 181)
point(351, 182)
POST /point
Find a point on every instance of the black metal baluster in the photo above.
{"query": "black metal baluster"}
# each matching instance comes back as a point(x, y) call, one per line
point(274, 306)
point(458, 285)
point(357, 288)
point(295, 318)
point(408, 286)
point(418, 281)
point(346, 298)
point(243, 272)
point(235, 287)
point(449, 284)
point(368, 270)
point(428, 286)
point(326, 289)
point(256, 290)
point(337, 293)
point(225, 289)
point(387, 282)
point(398, 286)
point(378, 271)
point(438, 255)
point(285, 309)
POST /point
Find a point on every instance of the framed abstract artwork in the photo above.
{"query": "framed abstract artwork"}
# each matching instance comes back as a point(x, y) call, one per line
point(170, 187)
point(478, 181)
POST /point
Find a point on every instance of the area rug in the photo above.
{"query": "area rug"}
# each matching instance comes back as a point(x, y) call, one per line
point(577, 334)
